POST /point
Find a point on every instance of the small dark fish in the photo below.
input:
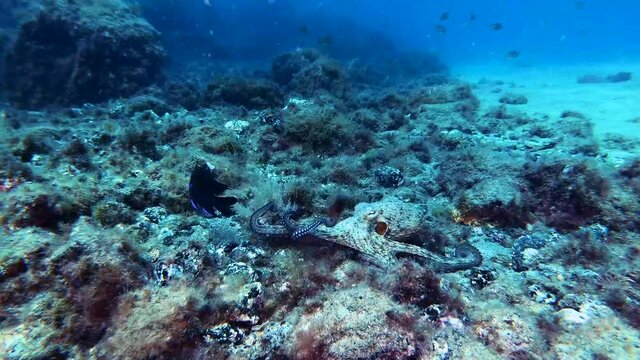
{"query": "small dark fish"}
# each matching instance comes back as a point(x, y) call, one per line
point(303, 29)
point(444, 16)
point(579, 4)
point(441, 29)
point(513, 54)
point(472, 17)
point(325, 41)
point(496, 26)
point(204, 191)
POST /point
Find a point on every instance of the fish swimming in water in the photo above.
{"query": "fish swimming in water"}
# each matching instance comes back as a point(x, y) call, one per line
point(444, 16)
point(441, 29)
point(496, 26)
point(513, 54)
point(303, 30)
point(325, 41)
point(205, 191)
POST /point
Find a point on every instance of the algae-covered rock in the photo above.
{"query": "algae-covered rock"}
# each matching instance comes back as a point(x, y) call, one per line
point(81, 51)
point(496, 201)
point(355, 323)
point(250, 93)
point(156, 324)
point(308, 73)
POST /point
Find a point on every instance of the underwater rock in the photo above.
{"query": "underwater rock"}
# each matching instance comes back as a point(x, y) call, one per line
point(182, 94)
point(71, 53)
point(224, 334)
point(481, 278)
point(164, 323)
point(142, 103)
point(47, 212)
point(354, 323)
point(250, 93)
point(388, 176)
point(309, 73)
point(509, 334)
point(520, 263)
point(566, 195)
point(611, 78)
point(513, 99)
point(441, 94)
point(268, 341)
point(111, 213)
point(317, 128)
point(619, 77)
point(496, 201)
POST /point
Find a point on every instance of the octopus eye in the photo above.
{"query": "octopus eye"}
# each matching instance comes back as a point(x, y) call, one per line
point(381, 228)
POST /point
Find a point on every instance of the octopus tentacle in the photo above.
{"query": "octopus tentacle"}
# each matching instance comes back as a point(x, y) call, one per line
point(362, 236)
point(260, 226)
point(300, 232)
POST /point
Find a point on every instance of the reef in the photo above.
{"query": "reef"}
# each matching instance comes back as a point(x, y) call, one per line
point(304, 208)
point(70, 53)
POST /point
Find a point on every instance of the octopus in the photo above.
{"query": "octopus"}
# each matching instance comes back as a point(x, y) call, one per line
point(376, 230)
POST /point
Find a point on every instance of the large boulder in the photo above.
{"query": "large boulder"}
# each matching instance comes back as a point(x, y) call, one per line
point(307, 72)
point(85, 51)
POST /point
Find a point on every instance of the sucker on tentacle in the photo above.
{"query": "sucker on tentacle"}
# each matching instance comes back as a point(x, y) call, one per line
point(300, 232)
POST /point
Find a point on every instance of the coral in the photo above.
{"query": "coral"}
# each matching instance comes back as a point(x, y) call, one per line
point(285, 66)
point(481, 278)
point(75, 52)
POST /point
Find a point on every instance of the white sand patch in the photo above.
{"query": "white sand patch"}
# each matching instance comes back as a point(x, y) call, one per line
point(553, 89)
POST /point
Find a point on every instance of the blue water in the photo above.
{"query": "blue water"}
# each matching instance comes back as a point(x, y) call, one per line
point(544, 31)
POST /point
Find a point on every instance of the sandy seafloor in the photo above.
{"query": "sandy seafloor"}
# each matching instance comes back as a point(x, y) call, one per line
point(102, 257)
point(552, 89)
